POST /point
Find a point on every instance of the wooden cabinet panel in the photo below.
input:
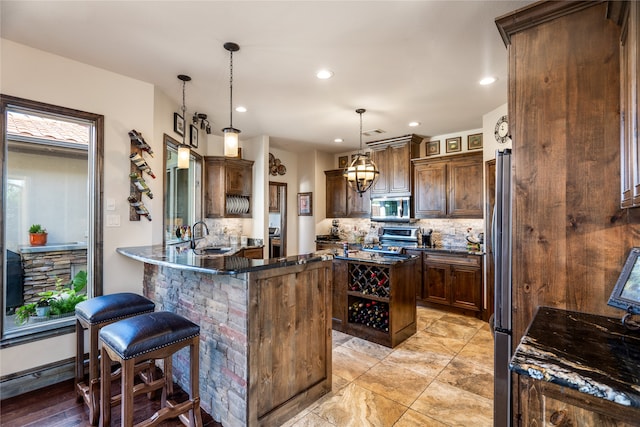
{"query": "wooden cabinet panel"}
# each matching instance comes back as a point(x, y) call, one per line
point(448, 187)
point(465, 188)
point(342, 201)
point(393, 159)
point(339, 296)
point(226, 177)
point(253, 253)
point(274, 198)
point(453, 280)
point(417, 272)
point(430, 196)
point(214, 199)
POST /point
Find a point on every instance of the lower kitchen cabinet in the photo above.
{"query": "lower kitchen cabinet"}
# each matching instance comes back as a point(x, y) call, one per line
point(252, 253)
point(375, 301)
point(549, 404)
point(453, 280)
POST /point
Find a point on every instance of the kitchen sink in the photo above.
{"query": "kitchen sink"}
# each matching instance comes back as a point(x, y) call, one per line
point(212, 250)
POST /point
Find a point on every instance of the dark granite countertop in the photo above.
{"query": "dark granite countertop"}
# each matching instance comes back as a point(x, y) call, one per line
point(374, 257)
point(184, 258)
point(447, 250)
point(589, 353)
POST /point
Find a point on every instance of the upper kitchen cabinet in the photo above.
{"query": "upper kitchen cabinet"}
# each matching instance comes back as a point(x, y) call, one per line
point(629, 62)
point(448, 187)
point(393, 158)
point(342, 200)
point(228, 187)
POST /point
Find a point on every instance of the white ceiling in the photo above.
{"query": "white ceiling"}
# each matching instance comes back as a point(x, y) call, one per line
point(401, 60)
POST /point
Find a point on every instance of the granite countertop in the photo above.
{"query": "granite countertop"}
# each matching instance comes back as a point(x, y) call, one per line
point(593, 354)
point(374, 257)
point(181, 257)
point(447, 249)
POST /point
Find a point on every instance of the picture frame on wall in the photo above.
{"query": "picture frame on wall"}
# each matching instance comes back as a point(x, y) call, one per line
point(474, 142)
point(193, 136)
point(433, 148)
point(305, 207)
point(178, 124)
point(454, 144)
point(342, 161)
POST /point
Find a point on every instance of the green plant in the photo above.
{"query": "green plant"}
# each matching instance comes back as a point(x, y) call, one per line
point(63, 299)
point(37, 229)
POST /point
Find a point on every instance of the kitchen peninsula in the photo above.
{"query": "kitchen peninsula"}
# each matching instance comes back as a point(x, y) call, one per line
point(265, 328)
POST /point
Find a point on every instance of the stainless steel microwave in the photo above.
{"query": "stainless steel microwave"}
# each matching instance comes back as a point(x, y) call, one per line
point(391, 209)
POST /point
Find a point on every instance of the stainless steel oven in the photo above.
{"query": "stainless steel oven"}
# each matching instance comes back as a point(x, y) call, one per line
point(393, 240)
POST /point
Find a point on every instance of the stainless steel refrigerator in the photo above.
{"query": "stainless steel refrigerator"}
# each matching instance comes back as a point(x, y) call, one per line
point(501, 223)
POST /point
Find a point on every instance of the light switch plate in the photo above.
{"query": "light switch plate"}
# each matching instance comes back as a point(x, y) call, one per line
point(113, 220)
point(111, 204)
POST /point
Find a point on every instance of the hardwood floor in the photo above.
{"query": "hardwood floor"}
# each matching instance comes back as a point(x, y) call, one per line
point(56, 406)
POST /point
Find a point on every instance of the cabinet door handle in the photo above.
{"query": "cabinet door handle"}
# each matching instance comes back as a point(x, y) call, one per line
point(559, 418)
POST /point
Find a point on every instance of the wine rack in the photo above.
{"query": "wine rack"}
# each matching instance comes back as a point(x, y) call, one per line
point(375, 301)
point(138, 185)
point(369, 280)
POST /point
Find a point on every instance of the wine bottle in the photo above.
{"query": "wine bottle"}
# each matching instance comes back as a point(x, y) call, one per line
point(140, 184)
point(139, 207)
point(141, 163)
point(137, 139)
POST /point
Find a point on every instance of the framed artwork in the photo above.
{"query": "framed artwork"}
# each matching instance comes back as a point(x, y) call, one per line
point(342, 161)
point(178, 124)
point(433, 148)
point(193, 136)
point(474, 142)
point(305, 207)
point(626, 293)
point(454, 144)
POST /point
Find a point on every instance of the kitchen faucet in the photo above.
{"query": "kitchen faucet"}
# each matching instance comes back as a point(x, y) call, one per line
point(193, 232)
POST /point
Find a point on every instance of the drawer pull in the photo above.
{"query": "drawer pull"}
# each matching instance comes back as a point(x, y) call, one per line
point(559, 418)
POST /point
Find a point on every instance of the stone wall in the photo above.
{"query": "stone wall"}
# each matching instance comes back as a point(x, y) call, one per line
point(217, 303)
point(41, 269)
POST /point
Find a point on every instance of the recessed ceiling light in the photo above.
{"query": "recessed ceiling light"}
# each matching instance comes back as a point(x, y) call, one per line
point(414, 124)
point(241, 109)
point(487, 81)
point(324, 74)
point(337, 140)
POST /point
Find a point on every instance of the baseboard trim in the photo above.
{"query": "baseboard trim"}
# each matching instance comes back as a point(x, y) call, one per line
point(35, 378)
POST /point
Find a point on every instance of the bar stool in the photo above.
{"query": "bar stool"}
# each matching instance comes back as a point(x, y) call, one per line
point(149, 336)
point(94, 314)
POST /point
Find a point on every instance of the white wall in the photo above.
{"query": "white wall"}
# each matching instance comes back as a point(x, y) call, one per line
point(126, 104)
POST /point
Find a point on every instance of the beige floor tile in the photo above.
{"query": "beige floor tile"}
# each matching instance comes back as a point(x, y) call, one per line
point(308, 420)
point(454, 406)
point(394, 382)
point(412, 418)
point(452, 328)
point(463, 320)
point(482, 337)
point(337, 382)
point(468, 376)
point(357, 406)
point(422, 362)
point(338, 338)
point(369, 348)
point(427, 316)
point(427, 341)
point(350, 364)
point(480, 354)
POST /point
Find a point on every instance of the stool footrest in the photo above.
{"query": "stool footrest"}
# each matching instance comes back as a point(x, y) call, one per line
point(171, 411)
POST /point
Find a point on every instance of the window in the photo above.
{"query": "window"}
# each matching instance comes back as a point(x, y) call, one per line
point(52, 175)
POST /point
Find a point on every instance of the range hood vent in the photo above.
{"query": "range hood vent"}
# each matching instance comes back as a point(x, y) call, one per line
point(373, 132)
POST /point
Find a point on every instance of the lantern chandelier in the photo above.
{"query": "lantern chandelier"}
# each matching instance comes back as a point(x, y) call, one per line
point(231, 133)
point(184, 152)
point(362, 173)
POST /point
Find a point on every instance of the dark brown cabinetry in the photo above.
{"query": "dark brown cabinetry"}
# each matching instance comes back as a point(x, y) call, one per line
point(454, 280)
point(373, 301)
point(342, 201)
point(252, 253)
point(448, 187)
point(274, 198)
point(393, 159)
point(629, 61)
point(228, 187)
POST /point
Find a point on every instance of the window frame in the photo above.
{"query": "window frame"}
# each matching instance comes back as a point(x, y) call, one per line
point(95, 241)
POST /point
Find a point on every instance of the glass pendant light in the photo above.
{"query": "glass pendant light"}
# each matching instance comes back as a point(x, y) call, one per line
point(184, 152)
point(231, 133)
point(362, 173)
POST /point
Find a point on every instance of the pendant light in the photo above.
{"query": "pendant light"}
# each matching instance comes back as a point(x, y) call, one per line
point(362, 173)
point(231, 133)
point(184, 152)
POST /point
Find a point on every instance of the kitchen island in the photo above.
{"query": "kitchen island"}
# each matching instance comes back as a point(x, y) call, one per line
point(579, 369)
point(265, 328)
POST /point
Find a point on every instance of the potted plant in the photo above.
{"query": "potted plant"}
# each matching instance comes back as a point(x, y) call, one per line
point(37, 235)
point(43, 307)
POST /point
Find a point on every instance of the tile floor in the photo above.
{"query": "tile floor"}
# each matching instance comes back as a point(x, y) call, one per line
point(441, 376)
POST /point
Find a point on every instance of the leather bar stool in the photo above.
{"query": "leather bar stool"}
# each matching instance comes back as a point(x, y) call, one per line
point(149, 336)
point(92, 315)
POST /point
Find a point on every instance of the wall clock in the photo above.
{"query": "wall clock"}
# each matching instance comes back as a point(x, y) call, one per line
point(502, 130)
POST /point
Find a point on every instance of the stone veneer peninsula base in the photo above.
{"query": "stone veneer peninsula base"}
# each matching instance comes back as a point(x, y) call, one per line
point(265, 351)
